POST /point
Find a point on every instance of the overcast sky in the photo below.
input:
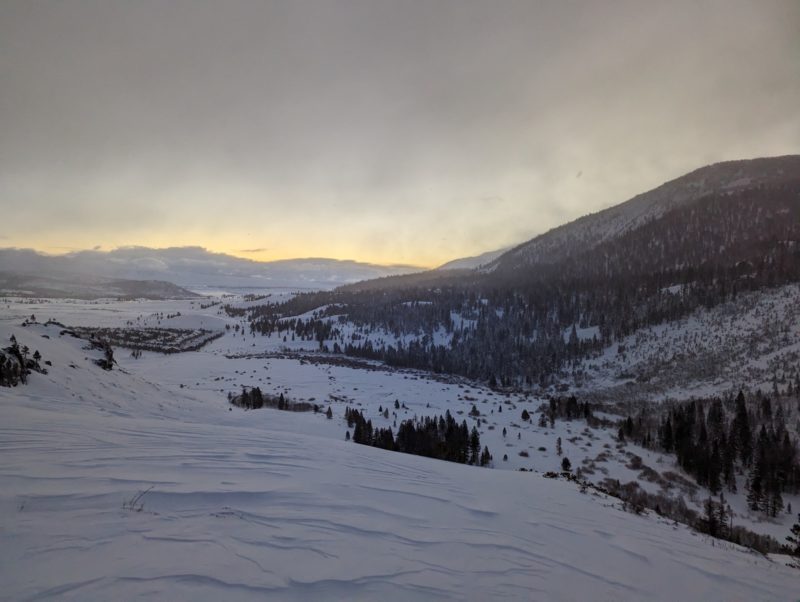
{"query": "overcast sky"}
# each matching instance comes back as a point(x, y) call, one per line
point(393, 132)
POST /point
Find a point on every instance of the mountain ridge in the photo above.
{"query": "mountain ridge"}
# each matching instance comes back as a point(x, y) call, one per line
point(195, 266)
point(519, 323)
point(595, 228)
point(87, 286)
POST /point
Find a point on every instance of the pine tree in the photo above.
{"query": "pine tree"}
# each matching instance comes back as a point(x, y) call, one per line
point(741, 428)
point(710, 520)
point(666, 436)
point(474, 446)
point(775, 505)
point(758, 492)
point(794, 538)
point(723, 513)
point(714, 469)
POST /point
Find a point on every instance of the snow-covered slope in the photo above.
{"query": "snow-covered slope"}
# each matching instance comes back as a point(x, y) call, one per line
point(591, 230)
point(751, 342)
point(256, 505)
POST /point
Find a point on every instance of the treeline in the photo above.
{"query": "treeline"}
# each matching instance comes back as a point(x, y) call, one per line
point(713, 439)
point(305, 330)
point(438, 437)
point(568, 408)
point(255, 399)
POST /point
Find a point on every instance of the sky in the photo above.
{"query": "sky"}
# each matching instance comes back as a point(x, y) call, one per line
point(408, 132)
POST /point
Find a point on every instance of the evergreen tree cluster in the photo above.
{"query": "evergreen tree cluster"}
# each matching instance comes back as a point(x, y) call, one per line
point(313, 329)
point(16, 364)
point(13, 362)
point(440, 437)
point(569, 408)
point(713, 439)
point(255, 399)
point(715, 518)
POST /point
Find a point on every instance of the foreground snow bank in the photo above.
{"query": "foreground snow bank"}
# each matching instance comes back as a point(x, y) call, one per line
point(237, 513)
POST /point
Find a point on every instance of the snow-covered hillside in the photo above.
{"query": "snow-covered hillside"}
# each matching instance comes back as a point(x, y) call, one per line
point(751, 342)
point(248, 505)
point(588, 231)
point(283, 363)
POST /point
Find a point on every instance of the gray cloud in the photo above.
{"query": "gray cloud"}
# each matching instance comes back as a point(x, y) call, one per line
point(372, 126)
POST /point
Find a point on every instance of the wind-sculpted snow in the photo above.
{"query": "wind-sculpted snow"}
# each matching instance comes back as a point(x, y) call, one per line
point(237, 509)
point(236, 513)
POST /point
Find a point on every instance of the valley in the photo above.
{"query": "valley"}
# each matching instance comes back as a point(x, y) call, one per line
point(242, 504)
point(391, 301)
point(624, 431)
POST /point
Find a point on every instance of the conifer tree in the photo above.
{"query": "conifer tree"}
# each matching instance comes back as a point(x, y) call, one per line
point(741, 427)
point(474, 446)
point(794, 538)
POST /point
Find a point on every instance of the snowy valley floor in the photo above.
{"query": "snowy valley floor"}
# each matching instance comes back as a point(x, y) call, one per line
point(275, 505)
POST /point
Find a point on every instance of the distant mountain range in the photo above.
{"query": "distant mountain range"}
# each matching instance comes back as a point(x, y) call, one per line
point(197, 268)
point(85, 286)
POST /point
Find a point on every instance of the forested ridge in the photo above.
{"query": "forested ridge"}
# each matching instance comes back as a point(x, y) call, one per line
point(521, 324)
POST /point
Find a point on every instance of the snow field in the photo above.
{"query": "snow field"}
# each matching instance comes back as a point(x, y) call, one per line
point(248, 505)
